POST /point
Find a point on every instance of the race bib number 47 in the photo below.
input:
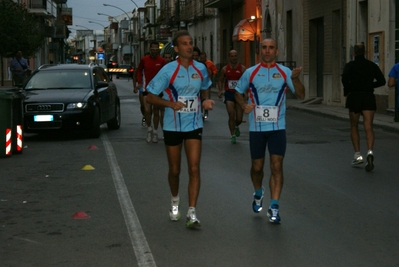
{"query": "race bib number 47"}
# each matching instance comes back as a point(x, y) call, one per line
point(191, 103)
point(266, 114)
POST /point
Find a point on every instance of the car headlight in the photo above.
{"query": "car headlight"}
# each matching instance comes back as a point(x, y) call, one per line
point(79, 105)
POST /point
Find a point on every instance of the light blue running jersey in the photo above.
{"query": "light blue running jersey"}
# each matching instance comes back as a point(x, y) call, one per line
point(267, 90)
point(180, 84)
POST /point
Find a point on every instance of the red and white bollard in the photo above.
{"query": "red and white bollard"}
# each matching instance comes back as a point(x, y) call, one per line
point(19, 138)
point(8, 142)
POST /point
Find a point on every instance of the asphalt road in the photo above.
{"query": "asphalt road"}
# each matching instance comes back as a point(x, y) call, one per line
point(332, 214)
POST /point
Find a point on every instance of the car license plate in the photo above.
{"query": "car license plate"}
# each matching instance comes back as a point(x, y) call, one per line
point(39, 118)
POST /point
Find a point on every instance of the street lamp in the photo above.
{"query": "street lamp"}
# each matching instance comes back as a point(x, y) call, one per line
point(96, 23)
point(130, 29)
point(109, 16)
point(84, 40)
point(134, 3)
point(137, 31)
point(83, 27)
point(256, 43)
point(105, 36)
point(119, 34)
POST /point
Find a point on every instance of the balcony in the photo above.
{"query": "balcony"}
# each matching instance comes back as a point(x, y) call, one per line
point(221, 3)
point(45, 8)
point(195, 10)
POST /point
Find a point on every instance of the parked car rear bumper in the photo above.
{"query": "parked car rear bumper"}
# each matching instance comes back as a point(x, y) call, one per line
point(73, 120)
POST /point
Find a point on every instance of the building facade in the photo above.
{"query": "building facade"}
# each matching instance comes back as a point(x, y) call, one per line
point(54, 17)
point(317, 35)
point(320, 35)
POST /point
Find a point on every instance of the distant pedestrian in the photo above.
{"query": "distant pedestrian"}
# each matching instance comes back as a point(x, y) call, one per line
point(196, 57)
point(212, 71)
point(267, 83)
point(184, 82)
point(167, 56)
point(393, 82)
point(359, 79)
point(20, 69)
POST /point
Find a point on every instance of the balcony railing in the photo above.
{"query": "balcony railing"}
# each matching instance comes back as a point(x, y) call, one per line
point(46, 8)
point(221, 3)
point(195, 9)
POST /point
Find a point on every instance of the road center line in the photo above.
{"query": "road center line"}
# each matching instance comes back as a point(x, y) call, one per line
point(137, 237)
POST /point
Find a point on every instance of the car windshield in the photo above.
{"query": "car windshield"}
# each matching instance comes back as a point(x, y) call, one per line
point(59, 79)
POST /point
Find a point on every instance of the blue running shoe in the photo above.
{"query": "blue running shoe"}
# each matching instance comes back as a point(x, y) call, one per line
point(257, 203)
point(273, 215)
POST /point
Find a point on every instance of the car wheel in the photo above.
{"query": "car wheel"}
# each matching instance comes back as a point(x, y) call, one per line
point(95, 130)
point(115, 123)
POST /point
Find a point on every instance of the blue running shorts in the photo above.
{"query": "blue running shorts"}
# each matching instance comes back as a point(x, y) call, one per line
point(275, 141)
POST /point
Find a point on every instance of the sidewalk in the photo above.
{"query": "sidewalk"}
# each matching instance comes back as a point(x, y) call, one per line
point(383, 121)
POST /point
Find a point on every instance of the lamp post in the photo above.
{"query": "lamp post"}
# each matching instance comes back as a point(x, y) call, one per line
point(119, 33)
point(130, 29)
point(104, 35)
point(256, 44)
point(84, 40)
point(103, 14)
point(135, 4)
point(137, 32)
point(83, 27)
point(96, 23)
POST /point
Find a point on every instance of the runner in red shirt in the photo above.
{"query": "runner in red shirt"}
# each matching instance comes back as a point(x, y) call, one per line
point(147, 69)
point(229, 76)
point(212, 70)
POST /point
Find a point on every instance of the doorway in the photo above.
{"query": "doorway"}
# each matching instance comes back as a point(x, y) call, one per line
point(316, 56)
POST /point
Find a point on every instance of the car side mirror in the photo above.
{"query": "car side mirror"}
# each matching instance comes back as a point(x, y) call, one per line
point(101, 84)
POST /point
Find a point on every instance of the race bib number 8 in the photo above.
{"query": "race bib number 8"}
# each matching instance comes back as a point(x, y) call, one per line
point(266, 114)
point(191, 103)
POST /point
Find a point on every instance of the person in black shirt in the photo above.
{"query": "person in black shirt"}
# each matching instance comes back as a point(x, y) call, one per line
point(359, 79)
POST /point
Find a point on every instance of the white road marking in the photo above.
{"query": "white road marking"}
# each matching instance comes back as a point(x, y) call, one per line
point(128, 100)
point(28, 240)
point(140, 246)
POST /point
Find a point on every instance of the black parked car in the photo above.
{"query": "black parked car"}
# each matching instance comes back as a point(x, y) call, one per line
point(71, 97)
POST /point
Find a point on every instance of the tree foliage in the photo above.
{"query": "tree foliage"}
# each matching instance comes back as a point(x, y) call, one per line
point(19, 30)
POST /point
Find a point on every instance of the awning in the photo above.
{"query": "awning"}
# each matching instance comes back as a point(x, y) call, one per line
point(245, 30)
point(168, 48)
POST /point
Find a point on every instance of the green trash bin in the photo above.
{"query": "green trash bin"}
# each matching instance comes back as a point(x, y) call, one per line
point(6, 99)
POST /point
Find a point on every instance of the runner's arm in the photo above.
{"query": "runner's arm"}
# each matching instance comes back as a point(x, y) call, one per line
point(299, 88)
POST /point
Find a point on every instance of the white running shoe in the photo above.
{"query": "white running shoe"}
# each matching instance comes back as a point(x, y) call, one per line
point(155, 138)
point(174, 213)
point(192, 220)
point(149, 135)
point(357, 159)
